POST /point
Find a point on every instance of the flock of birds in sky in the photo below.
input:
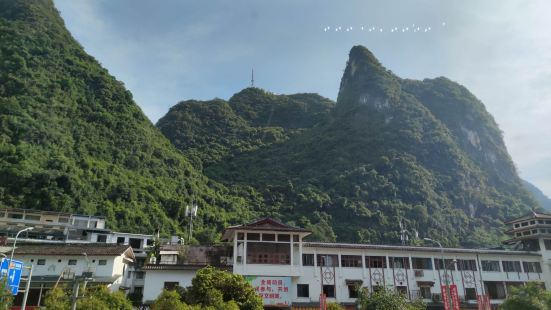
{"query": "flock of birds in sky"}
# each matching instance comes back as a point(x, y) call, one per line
point(413, 28)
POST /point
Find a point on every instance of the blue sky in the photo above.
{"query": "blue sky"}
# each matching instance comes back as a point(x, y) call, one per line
point(172, 50)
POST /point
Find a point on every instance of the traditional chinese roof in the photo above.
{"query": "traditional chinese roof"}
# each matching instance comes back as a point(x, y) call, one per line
point(91, 249)
point(265, 224)
point(529, 216)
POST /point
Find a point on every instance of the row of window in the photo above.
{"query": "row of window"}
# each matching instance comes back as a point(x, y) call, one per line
point(267, 237)
point(533, 232)
point(532, 222)
point(70, 262)
point(355, 261)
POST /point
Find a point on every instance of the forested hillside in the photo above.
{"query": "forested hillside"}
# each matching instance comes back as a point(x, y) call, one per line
point(423, 152)
point(426, 153)
point(72, 138)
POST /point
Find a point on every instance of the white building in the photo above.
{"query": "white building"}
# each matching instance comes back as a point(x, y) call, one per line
point(290, 272)
point(105, 264)
point(51, 227)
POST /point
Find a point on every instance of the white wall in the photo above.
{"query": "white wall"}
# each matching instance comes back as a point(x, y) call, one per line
point(155, 279)
point(55, 265)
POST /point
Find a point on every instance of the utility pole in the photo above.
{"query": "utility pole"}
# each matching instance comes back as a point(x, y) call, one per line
point(27, 288)
point(252, 77)
point(191, 212)
point(74, 298)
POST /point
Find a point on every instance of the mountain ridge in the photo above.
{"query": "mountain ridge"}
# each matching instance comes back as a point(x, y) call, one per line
point(387, 152)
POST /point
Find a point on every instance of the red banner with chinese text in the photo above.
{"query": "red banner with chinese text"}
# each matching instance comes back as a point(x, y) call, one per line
point(454, 296)
point(445, 298)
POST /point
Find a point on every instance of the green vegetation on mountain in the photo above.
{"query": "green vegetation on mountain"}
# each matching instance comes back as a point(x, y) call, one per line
point(209, 131)
point(426, 153)
point(541, 198)
point(423, 152)
point(72, 138)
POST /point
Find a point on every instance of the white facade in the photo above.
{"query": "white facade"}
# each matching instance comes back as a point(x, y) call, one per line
point(157, 280)
point(267, 249)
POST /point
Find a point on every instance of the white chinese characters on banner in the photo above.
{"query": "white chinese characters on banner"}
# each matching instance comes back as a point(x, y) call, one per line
point(275, 291)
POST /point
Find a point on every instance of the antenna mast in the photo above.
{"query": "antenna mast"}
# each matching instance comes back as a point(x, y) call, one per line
point(252, 77)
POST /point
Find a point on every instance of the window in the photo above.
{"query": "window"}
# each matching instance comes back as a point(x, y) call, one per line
point(329, 291)
point(524, 224)
point(16, 216)
point(351, 261)
point(102, 262)
point(511, 266)
point(547, 243)
point(138, 290)
point(171, 285)
point(353, 290)
point(295, 238)
point(399, 262)
point(72, 262)
point(496, 290)
point(490, 265)
point(531, 267)
point(421, 263)
point(328, 260)
point(425, 292)
point(269, 253)
point(268, 237)
point(303, 290)
point(139, 274)
point(240, 236)
point(470, 293)
point(149, 242)
point(32, 217)
point(140, 262)
point(135, 243)
point(466, 264)
point(450, 265)
point(120, 240)
point(253, 236)
point(403, 290)
point(102, 238)
point(41, 262)
point(307, 259)
point(375, 261)
point(284, 238)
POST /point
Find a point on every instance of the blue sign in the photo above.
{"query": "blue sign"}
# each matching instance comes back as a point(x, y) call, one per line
point(13, 272)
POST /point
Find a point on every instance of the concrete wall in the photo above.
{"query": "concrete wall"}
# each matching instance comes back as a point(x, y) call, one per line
point(155, 279)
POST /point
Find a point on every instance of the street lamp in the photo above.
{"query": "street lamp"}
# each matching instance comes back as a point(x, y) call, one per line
point(445, 269)
point(15, 241)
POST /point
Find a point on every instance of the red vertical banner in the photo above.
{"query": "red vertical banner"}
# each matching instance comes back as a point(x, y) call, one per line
point(483, 302)
point(480, 302)
point(454, 296)
point(323, 302)
point(445, 298)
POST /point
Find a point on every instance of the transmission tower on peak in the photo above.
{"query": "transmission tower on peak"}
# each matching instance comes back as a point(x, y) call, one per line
point(252, 77)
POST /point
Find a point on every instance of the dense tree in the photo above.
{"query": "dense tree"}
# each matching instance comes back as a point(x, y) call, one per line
point(72, 138)
point(385, 299)
point(57, 298)
point(97, 297)
point(6, 297)
point(220, 289)
point(531, 296)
